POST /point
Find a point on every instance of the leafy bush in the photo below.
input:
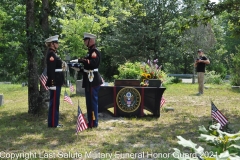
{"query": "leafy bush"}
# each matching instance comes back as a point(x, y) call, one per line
point(225, 146)
point(221, 69)
point(129, 71)
point(213, 78)
point(176, 80)
point(169, 80)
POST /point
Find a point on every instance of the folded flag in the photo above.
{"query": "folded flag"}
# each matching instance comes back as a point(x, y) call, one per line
point(67, 98)
point(81, 122)
point(162, 102)
point(218, 116)
point(76, 65)
point(71, 87)
point(43, 78)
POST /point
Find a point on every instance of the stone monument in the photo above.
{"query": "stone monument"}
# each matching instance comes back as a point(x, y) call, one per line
point(79, 89)
point(1, 99)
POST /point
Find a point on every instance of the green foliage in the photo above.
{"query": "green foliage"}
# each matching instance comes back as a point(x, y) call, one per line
point(220, 68)
point(223, 145)
point(176, 80)
point(129, 71)
point(141, 33)
point(235, 74)
point(229, 6)
point(169, 80)
point(126, 30)
point(14, 44)
point(213, 78)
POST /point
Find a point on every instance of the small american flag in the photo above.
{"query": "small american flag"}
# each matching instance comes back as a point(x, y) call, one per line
point(71, 87)
point(218, 116)
point(43, 78)
point(67, 98)
point(81, 122)
point(162, 102)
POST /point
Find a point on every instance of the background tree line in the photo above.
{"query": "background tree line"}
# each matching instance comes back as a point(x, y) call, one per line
point(127, 30)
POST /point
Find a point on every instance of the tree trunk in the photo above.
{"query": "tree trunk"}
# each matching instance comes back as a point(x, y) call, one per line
point(194, 72)
point(33, 93)
point(45, 27)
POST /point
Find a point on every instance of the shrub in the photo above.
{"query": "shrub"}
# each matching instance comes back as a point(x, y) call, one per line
point(176, 80)
point(128, 71)
point(213, 78)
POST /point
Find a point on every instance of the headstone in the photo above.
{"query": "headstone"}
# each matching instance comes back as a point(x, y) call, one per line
point(169, 109)
point(79, 89)
point(1, 99)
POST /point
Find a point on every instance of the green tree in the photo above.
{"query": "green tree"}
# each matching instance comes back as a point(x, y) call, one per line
point(13, 58)
point(235, 75)
point(144, 30)
point(232, 7)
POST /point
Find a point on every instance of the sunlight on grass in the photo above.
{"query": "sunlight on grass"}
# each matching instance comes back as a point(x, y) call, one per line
point(20, 131)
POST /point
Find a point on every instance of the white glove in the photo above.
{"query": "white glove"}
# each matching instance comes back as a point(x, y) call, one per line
point(52, 88)
point(75, 68)
point(74, 61)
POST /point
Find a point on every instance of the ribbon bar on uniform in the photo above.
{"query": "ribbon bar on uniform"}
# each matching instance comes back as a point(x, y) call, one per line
point(90, 73)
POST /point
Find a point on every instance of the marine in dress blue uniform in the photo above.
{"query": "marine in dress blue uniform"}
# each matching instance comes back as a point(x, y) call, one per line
point(92, 79)
point(55, 80)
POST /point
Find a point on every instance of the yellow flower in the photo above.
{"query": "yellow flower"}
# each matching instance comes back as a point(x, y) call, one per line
point(148, 76)
point(151, 70)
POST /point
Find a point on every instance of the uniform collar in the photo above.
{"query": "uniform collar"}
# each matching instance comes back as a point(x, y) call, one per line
point(92, 47)
point(51, 49)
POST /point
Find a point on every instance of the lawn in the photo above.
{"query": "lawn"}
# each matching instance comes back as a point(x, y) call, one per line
point(27, 136)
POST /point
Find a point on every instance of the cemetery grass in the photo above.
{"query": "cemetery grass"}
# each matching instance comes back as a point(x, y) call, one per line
point(21, 132)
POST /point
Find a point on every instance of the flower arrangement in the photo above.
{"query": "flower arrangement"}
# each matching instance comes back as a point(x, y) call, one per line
point(151, 70)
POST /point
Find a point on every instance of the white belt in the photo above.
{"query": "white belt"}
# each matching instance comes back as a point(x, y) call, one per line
point(90, 73)
point(58, 70)
point(94, 70)
point(52, 88)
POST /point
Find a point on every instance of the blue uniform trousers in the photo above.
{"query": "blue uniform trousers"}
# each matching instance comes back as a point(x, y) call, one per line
point(92, 105)
point(53, 110)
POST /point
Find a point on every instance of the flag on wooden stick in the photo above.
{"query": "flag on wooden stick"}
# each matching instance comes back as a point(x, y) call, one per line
point(67, 98)
point(43, 78)
point(217, 115)
point(81, 122)
point(162, 101)
point(71, 87)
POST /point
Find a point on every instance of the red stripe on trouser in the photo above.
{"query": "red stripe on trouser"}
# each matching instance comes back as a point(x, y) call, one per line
point(114, 101)
point(91, 106)
point(142, 101)
point(53, 107)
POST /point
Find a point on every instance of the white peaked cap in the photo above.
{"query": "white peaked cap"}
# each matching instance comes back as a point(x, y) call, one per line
point(88, 35)
point(52, 38)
